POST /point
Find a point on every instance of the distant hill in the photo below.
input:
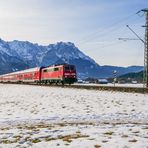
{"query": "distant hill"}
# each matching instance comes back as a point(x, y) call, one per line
point(17, 55)
point(134, 76)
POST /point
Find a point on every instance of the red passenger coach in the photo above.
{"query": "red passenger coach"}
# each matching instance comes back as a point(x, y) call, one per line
point(29, 75)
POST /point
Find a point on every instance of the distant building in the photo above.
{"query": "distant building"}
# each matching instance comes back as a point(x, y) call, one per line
point(102, 81)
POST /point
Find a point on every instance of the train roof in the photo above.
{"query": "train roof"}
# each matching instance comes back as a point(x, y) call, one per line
point(62, 64)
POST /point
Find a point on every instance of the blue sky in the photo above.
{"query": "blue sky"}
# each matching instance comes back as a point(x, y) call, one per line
point(93, 25)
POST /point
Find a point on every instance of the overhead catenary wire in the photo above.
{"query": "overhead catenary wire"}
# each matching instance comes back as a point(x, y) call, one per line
point(125, 39)
point(101, 33)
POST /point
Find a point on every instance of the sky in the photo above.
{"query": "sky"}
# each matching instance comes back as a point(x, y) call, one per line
point(94, 26)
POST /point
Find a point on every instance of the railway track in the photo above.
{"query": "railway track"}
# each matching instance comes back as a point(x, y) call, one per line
point(95, 87)
point(112, 88)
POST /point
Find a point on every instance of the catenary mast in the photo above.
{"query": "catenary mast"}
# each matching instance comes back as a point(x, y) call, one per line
point(146, 49)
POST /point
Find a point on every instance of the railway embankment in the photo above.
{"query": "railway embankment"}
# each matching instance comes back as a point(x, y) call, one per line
point(123, 88)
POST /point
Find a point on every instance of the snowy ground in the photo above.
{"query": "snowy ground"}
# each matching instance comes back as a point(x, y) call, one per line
point(36, 116)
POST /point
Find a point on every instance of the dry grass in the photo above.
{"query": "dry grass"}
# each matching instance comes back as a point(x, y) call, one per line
point(97, 146)
point(104, 141)
point(132, 140)
point(124, 136)
point(145, 127)
point(4, 129)
point(50, 139)
point(67, 138)
point(35, 140)
point(108, 133)
point(135, 132)
point(9, 141)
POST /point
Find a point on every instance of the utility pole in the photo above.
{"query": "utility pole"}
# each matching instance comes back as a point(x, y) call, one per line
point(115, 77)
point(146, 49)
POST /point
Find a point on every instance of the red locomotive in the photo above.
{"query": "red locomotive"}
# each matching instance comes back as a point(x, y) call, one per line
point(64, 74)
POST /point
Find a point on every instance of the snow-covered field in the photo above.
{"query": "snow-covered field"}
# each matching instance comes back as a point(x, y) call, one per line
point(36, 116)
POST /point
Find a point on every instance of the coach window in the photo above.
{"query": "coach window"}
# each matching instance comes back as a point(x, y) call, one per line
point(56, 69)
point(45, 70)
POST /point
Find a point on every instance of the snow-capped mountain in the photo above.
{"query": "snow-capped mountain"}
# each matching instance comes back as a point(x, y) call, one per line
point(9, 59)
point(18, 55)
point(30, 53)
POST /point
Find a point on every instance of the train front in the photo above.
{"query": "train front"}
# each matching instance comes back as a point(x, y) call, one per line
point(70, 75)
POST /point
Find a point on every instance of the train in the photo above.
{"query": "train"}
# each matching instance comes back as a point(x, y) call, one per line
point(55, 74)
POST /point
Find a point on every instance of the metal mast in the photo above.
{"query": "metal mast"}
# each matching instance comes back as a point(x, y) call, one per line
point(146, 49)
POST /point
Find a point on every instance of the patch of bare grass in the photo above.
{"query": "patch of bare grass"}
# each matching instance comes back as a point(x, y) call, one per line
point(108, 133)
point(104, 141)
point(97, 146)
point(133, 140)
point(124, 136)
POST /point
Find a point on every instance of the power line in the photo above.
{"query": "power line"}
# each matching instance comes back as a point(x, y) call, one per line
point(113, 27)
point(125, 39)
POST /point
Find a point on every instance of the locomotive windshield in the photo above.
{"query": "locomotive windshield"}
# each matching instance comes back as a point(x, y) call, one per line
point(69, 67)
